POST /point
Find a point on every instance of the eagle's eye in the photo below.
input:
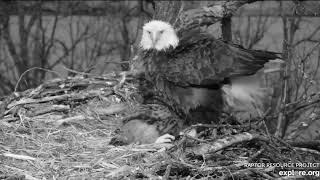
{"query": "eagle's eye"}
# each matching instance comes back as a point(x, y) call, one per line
point(149, 32)
point(161, 31)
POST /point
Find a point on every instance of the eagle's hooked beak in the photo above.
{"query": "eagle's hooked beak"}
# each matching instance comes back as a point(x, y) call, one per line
point(155, 37)
point(153, 42)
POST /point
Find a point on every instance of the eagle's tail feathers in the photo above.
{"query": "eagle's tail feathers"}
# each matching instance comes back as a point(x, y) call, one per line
point(246, 96)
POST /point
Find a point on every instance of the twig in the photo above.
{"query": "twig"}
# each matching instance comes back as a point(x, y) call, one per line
point(69, 119)
point(308, 150)
point(307, 144)
point(226, 142)
point(18, 156)
point(55, 98)
point(167, 172)
point(111, 109)
point(118, 62)
point(51, 108)
point(48, 70)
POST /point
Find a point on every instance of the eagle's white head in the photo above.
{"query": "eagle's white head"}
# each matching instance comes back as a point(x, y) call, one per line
point(158, 35)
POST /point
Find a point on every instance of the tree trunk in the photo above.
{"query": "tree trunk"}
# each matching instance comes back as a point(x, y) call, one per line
point(168, 11)
point(176, 13)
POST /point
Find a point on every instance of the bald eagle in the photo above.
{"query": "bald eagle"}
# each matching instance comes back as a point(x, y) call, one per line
point(195, 76)
point(198, 75)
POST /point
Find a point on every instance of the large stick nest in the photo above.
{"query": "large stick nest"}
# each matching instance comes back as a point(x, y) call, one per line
point(61, 130)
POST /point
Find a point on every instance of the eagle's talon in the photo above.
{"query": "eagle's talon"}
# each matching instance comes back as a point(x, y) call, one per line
point(167, 138)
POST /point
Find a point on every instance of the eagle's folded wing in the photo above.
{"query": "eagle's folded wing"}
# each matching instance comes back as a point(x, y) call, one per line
point(204, 60)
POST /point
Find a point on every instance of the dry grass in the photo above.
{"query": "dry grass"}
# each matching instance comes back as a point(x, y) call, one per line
point(61, 130)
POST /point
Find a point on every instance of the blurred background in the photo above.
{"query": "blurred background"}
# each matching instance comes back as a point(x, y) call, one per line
point(41, 40)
